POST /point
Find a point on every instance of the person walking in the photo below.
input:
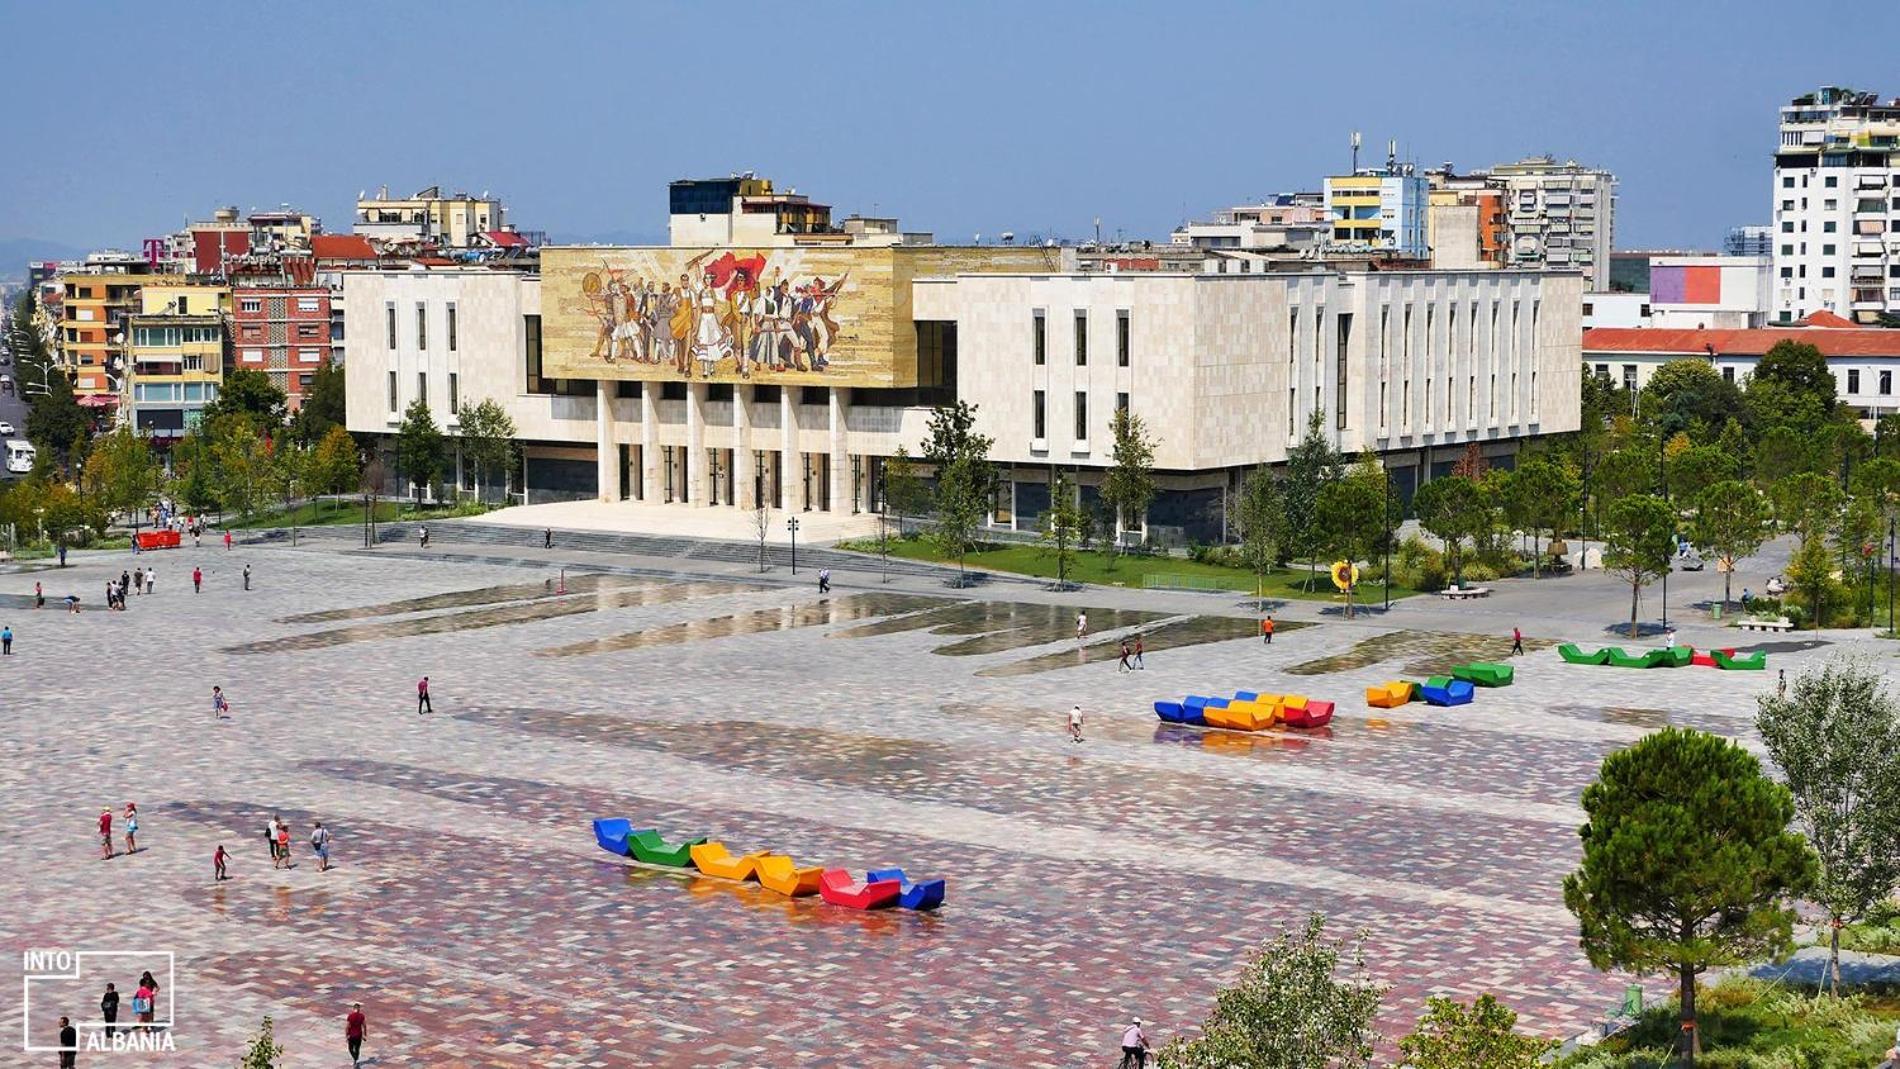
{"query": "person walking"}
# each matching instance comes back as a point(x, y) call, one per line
point(824, 580)
point(1140, 648)
point(138, 580)
point(227, 541)
point(422, 537)
point(355, 1026)
point(68, 1044)
point(283, 845)
point(1517, 642)
point(218, 859)
point(1126, 652)
point(6, 640)
point(1075, 723)
point(1081, 626)
point(547, 538)
point(220, 708)
point(144, 998)
point(247, 577)
point(62, 554)
point(39, 595)
point(109, 1009)
point(320, 842)
point(1781, 683)
point(423, 704)
point(1134, 1046)
point(1266, 630)
point(105, 833)
point(270, 837)
point(151, 579)
point(131, 828)
point(1669, 639)
point(197, 580)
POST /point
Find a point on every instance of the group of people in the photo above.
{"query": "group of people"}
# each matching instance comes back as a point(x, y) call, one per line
point(145, 1015)
point(277, 837)
point(140, 581)
point(130, 824)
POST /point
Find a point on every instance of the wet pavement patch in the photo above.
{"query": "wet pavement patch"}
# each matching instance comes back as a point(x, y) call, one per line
point(463, 599)
point(1173, 635)
point(784, 618)
point(1430, 653)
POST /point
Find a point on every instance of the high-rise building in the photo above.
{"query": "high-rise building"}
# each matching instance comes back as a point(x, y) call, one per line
point(1837, 206)
point(176, 354)
point(1560, 215)
point(97, 297)
point(283, 330)
point(1749, 241)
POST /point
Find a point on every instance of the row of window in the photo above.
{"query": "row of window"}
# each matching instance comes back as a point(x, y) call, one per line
point(175, 391)
point(422, 324)
point(1830, 181)
point(1039, 414)
point(1040, 322)
point(422, 391)
point(256, 304)
point(1853, 381)
point(171, 337)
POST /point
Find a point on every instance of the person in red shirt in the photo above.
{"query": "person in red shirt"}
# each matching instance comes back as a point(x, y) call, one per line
point(217, 863)
point(1517, 642)
point(197, 581)
point(423, 704)
point(353, 1028)
point(105, 831)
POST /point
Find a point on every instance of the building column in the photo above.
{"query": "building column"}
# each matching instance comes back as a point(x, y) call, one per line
point(841, 500)
point(606, 450)
point(744, 471)
point(791, 478)
point(652, 487)
point(696, 485)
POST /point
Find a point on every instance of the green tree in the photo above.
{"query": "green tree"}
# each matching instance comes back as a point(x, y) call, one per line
point(1452, 509)
point(1791, 387)
point(54, 421)
point(1836, 738)
point(1689, 396)
point(251, 394)
point(1811, 576)
point(1291, 1008)
point(487, 432)
point(1782, 453)
point(1482, 1035)
point(334, 466)
point(1879, 479)
point(1062, 525)
point(1691, 470)
point(1688, 862)
point(323, 404)
point(1732, 520)
point(1257, 518)
point(963, 498)
point(1129, 484)
point(419, 447)
point(1538, 498)
point(1310, 465)
point(904, 492)
point(198, 487)
point(263, 1051)
point(120, 473)
point(1352, 515)
point(1633, 469)
point(1858, 537)
point(1637, 545)
point(238, 463)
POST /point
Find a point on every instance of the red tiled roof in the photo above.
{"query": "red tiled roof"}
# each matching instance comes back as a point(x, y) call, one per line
point(341, 247)
point(506, 239)
point(1825, 318)
point(1831, 342)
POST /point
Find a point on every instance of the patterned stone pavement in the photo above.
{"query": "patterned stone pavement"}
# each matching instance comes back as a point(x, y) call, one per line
point(473, 916)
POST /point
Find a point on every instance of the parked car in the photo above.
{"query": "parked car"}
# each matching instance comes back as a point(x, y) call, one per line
point(6, 428)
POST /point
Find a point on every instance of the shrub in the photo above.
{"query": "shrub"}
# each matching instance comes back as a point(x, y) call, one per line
point(1419, 566)
point(1752, 1024)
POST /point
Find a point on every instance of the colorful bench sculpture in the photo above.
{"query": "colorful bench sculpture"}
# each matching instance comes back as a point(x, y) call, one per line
point(611, 833)
point(1172, 712)
point(1245, 711)
point(1619, 659)
point(1573, 655)
point(1309, 714)
point(1752, 662)
point(1391, 695)
point(1482, 674)
point(778, 872)
point(1446, 690)
point(713, 859)
point(836, 887)
point(912, 894)
point(647, 846)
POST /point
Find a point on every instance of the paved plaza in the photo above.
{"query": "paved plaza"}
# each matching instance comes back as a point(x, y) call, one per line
point(904, 724)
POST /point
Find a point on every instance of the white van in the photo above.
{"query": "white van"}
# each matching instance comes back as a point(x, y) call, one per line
point(20, 456)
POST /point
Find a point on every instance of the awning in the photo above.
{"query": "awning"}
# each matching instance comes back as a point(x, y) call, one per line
point(98, 400)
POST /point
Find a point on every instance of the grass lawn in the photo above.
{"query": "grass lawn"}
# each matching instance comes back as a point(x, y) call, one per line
point(1749, 1024)
point(1106, 569)
point(328, 512)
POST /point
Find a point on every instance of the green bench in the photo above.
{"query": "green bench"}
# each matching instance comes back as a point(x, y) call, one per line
point(1483, 674)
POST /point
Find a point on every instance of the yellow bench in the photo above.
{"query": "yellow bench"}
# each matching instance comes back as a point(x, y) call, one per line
point(778, 872)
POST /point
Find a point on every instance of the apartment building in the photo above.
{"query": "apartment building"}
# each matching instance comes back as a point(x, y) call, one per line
point(281, 329)
point(1559, 215)
point(97, 297)
point(1378, 211)
point(176, 355)
point(1837, 206)
point(431, 217)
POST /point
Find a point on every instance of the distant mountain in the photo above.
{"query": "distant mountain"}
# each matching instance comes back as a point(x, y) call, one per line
point(610, 237)
point(15, 252)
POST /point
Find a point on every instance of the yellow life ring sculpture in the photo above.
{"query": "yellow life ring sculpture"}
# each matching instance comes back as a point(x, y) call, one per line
point(1345, 575)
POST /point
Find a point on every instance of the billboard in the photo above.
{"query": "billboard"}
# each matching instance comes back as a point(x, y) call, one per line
point(836, 316)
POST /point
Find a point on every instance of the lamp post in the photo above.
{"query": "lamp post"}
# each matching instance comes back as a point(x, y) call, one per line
point(1388, 533)
point(1669, 565)
point(1890, 561)
point(792, 526)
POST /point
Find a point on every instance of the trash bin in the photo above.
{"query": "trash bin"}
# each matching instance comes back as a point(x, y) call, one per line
point(1716, 613)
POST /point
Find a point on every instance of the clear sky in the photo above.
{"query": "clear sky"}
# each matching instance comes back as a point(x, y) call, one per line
point(961, 118)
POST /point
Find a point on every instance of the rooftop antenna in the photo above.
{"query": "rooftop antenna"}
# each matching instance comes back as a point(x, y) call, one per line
point(1355, 152)
point(1392, 156)
point(1098, 230)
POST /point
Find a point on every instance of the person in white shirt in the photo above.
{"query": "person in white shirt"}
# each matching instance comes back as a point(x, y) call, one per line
point(1134, 1046)
point(1081, 626)
point(1075, 723)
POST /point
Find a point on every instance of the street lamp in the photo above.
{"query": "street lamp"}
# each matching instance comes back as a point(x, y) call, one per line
point(1388, 533)
point(1670, 565)
point(792, 526)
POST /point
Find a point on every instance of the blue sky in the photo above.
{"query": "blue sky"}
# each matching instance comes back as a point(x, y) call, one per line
point(960, 118)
